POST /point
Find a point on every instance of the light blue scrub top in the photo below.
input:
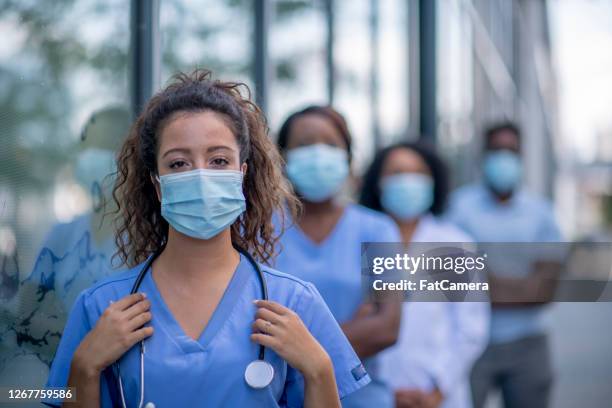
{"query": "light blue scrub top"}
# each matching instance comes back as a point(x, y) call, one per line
point(334, 267)
point(208, 372)
point(524, 218)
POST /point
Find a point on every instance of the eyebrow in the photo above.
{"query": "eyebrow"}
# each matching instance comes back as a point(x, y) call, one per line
point(208, 150)
point(220, 147)
point(175, 150)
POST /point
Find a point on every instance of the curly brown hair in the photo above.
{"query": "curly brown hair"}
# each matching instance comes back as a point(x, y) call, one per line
point(140, 228)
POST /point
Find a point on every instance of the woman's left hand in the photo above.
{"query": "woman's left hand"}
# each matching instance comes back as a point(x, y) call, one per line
point(282, 330)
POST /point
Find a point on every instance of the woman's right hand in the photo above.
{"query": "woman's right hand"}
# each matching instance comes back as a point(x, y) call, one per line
point(117, 330)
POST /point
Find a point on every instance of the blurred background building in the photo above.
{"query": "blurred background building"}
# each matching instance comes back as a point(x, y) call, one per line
point(398, 69)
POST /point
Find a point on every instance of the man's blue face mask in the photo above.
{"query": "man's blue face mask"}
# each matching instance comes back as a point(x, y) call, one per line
point(96, 166)
point(201, 203)
point(502, 170)
point(317, 171)
point(407, 196)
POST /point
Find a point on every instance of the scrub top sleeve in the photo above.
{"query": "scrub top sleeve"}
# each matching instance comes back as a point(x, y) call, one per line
point(549, 245)
point(549, 229)
point(349, 372)
point(386, 231)
point(77, 327)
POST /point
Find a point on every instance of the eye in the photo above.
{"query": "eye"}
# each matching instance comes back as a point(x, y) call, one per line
point(177, 164)
point(219, 162)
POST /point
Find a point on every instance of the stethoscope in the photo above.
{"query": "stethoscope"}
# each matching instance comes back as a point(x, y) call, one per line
point(258, 374)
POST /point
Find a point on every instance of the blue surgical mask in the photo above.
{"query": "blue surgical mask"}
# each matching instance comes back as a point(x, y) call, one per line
point(95, 166)
point(502, 170)
point(407, 196)
point(202, 203)
point(317, 171)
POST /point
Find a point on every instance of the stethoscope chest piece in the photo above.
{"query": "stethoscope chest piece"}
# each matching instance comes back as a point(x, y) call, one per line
point(259, 374)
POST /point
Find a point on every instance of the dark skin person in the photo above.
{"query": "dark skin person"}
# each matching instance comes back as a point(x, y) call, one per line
point(374, 327)
point(402, 160)
point(318, 219)
point(399, 161)
point(503, 140)
point(537, 288)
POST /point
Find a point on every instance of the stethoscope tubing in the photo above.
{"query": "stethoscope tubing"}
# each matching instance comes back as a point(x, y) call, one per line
point(136, 286)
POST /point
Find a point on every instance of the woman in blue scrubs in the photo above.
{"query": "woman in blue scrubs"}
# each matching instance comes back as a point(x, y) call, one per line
point(197, 176)
point(429, 365)
point(323, 245)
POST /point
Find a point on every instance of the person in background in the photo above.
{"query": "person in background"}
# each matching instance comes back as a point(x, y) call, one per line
point(79, 252)
point(75, 253)
point(517, 359)
point(439, 341)
point(323, 245)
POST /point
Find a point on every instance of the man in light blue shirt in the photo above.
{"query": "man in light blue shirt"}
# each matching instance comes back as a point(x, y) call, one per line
point(517, 360)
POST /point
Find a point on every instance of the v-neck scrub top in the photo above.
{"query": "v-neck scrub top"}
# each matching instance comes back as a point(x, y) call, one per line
point(209, 371)
point(334, 267)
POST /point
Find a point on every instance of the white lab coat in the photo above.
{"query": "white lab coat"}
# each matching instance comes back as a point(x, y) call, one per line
point(438, 341)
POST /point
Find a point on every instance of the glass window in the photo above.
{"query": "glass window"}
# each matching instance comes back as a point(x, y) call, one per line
point(64, 111)
point(353, 59)
point(455, 86)
point(393, 109)
point(297, 42)
point(216, 35)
